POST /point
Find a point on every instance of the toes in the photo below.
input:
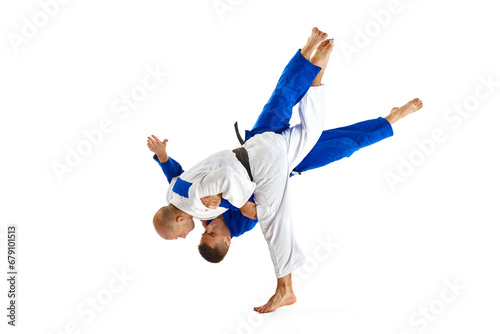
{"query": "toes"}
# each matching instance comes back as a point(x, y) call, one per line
point(322, 44)
point(326, 43)
point(259, 309)
point(263, 309)
point(323, 35)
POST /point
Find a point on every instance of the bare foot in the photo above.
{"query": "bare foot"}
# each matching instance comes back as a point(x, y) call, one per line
point(401, 112)
point(280, 298)
point(322, 54)
point(317, 36)
point(321, 57)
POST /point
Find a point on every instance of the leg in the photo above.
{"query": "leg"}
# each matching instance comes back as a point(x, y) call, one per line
point(272, 196)
point(339, 143)
point(285, 253)
point(294, 82)
point(270, 168)
point(300, 139)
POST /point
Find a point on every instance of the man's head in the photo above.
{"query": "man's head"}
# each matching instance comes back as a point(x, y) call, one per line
point(215, 241)
point(171, 223)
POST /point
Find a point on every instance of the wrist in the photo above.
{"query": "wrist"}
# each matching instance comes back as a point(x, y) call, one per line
point(162, 157)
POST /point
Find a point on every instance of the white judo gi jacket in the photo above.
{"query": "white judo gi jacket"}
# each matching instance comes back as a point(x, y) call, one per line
point(220, 173)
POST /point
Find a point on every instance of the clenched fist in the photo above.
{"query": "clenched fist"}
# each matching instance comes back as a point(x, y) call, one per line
point(249, 210)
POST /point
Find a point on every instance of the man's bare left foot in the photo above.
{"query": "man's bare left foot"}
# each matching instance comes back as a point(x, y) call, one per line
point(322, 54)
point(317, 36)
point(320, 58)
point(397, 113)
point(279, 299)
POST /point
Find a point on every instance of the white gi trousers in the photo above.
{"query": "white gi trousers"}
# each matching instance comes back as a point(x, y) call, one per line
point(272, 157)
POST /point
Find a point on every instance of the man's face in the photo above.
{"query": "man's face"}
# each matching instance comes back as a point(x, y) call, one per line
point(214, 233)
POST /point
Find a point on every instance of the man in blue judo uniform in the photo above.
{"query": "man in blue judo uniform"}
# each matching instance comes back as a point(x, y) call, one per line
point(332, 145)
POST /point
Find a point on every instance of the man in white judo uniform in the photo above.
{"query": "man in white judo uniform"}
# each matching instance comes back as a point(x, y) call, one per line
point(262, 167)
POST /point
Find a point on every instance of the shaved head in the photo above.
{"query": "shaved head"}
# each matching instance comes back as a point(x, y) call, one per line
point(164, 220)
point(171, 223)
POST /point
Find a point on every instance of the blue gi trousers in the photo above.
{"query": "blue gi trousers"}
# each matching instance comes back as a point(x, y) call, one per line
point(333, 144)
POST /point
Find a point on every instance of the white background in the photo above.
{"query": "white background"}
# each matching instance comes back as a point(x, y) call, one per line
point(397, 247)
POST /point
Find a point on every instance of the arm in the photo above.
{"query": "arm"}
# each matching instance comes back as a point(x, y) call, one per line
point(169, 166)
point(233, 187)
point(248, 209)
point(237, 223)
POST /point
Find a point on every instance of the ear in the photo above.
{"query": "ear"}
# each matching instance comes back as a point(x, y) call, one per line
point(180, 220)
point(227, 241)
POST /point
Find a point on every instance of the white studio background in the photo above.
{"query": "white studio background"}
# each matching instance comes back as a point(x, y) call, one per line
point(418, 256)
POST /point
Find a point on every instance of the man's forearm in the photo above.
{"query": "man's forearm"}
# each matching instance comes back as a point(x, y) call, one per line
point(170, 167)
point(235, 188)
point(162, 157)
point(249, 210)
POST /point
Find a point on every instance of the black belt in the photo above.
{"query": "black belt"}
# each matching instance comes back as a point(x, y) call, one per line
point(238, 134)
point(242, 156)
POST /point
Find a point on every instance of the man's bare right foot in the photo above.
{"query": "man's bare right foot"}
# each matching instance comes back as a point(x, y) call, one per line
point(279, 299)
point(317, 36)
point(401, 112)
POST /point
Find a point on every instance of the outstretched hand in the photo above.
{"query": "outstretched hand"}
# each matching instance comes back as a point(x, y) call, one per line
point(212, 202)
point(158, 147)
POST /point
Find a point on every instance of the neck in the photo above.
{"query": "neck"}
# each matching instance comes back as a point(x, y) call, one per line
point(226, 229)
